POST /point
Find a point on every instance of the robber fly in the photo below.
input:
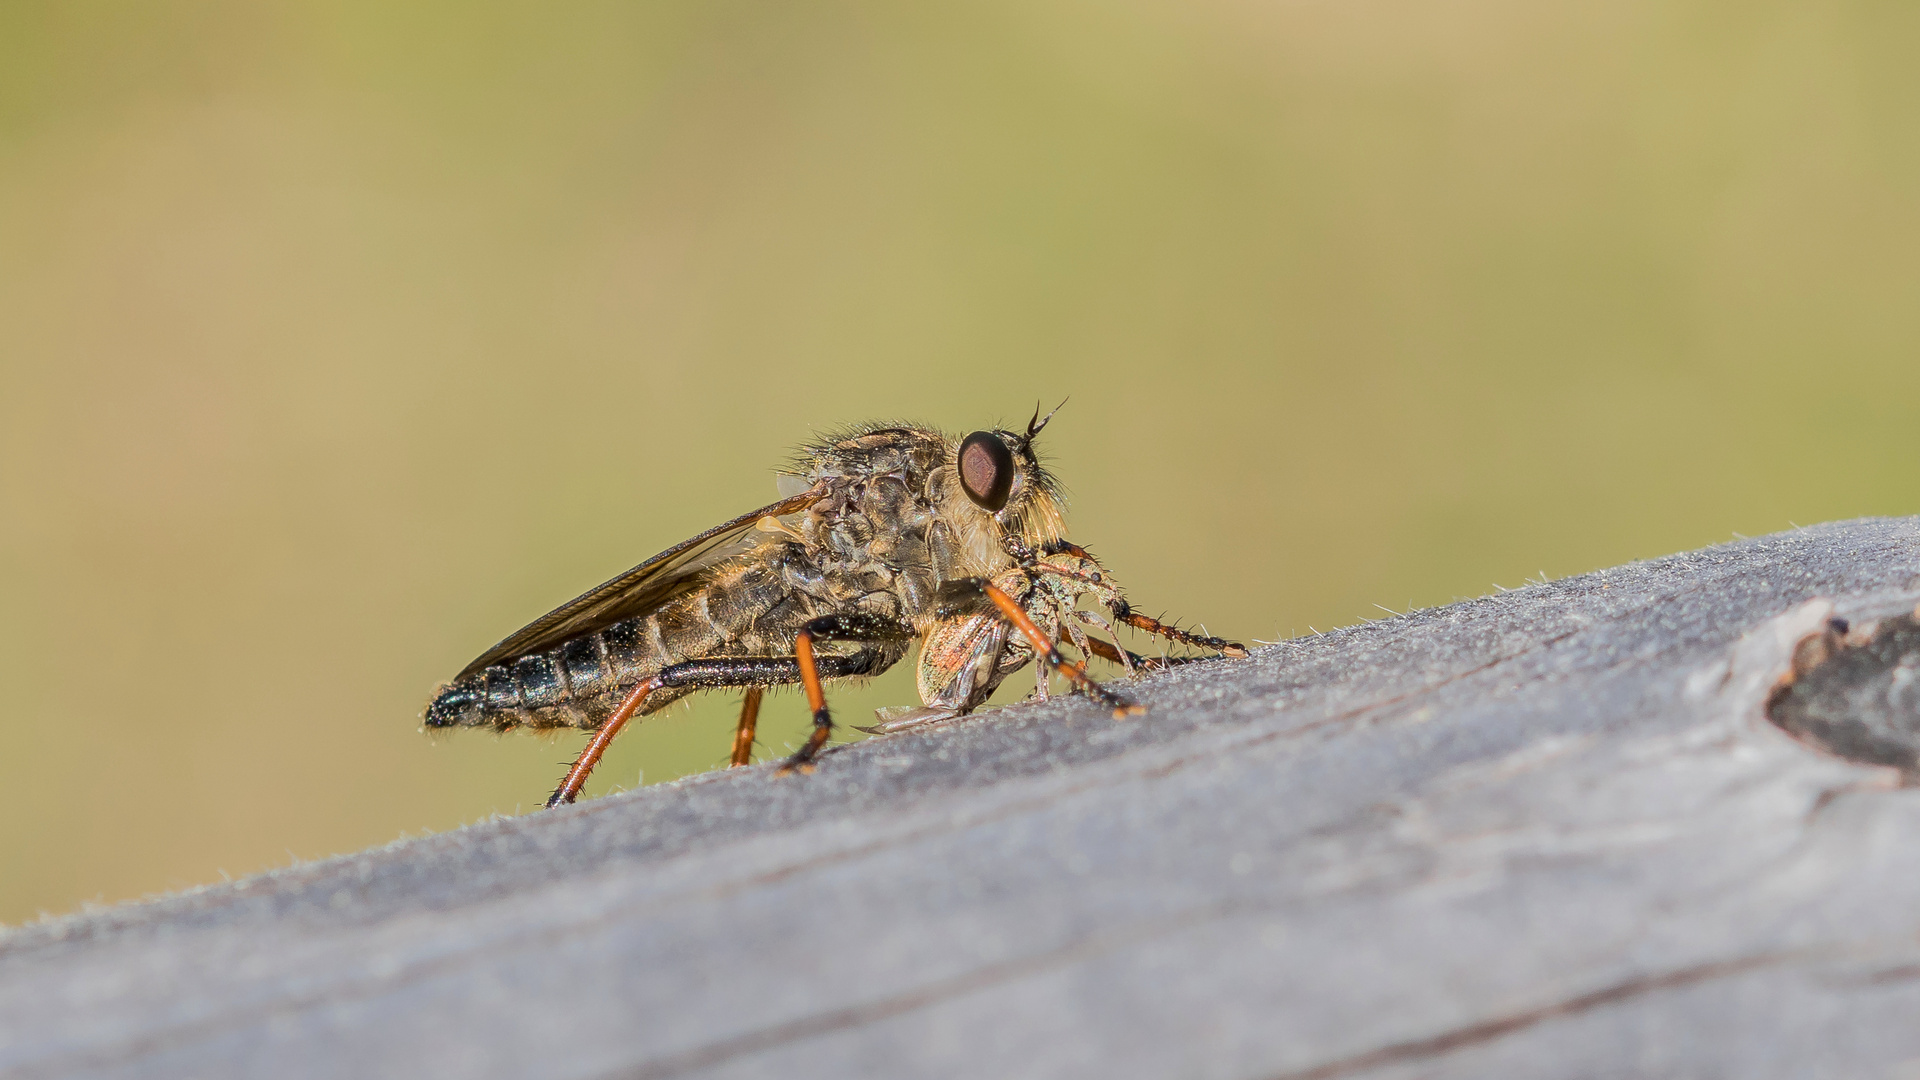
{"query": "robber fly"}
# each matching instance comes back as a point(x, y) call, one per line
point(887, 535)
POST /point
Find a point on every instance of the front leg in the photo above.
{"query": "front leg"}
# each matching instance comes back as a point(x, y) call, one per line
point(1044, 649)
point(1109, 594)
point(1133, 661)
point(1124, 612)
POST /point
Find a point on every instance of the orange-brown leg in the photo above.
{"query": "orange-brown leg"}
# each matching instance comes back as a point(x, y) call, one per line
point(749, 671)
point(583, 765)
point(831, 628)
point(816, 700)
point(1107, 651)
point(1101, 649)
point(1050, 655)
point(743, 735)
point(1173, 633)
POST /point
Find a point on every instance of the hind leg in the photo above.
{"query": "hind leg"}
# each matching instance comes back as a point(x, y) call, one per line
point(750, 671)
point(743, 735)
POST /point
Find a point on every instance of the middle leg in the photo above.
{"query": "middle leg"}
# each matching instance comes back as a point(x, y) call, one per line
point(870, 628)
point(1044, 649)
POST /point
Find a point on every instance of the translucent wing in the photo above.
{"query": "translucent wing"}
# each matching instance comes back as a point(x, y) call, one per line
point(959, 660)
point(641, 589)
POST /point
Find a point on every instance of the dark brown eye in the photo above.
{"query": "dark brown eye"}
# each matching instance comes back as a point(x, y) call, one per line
point(986, 469)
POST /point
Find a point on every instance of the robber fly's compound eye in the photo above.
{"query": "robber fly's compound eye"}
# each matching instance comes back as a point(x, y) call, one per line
point(986, 470)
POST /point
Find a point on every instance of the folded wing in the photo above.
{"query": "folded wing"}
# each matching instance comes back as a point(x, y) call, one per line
point(641, 589)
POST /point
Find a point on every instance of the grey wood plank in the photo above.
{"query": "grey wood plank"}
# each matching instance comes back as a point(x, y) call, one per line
point(1545, 833)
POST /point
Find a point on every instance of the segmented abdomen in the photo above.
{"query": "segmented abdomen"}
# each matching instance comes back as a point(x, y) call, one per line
point(574, 685)
point(580, 682)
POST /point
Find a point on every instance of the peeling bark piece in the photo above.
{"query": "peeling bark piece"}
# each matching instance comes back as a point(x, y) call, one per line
point(1857, 694)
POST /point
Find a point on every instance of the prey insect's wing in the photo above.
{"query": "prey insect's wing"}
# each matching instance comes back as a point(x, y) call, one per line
point(640, 589)
point(957, 660)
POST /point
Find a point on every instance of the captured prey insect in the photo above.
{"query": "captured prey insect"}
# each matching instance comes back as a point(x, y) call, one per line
point(888, 535)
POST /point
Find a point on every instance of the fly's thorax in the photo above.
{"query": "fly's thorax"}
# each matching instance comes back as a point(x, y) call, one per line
point(866, 545)
point(875, 449)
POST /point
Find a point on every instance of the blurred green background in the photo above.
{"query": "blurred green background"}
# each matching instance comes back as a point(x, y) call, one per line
point(337, 340)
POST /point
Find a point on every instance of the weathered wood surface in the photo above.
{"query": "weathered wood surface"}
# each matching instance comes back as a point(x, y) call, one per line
point(1544, 834)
